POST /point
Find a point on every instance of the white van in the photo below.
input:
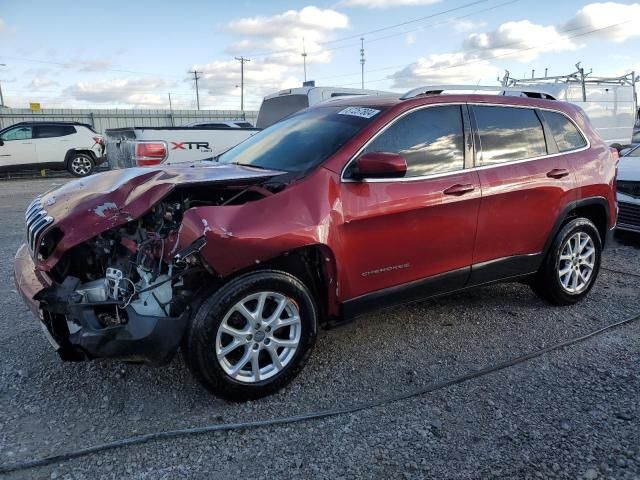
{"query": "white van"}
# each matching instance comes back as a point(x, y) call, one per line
point(610, 102)
point(281, 104)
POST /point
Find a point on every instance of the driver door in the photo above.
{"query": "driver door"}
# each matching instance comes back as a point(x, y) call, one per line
point(18, 148)
point(413, 236)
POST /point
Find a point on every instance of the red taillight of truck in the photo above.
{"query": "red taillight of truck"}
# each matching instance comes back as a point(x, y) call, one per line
point(150, 153)
point(99, 140)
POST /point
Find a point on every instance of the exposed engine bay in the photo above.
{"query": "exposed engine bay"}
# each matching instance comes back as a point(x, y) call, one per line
point(139, 264)
point(128, 280)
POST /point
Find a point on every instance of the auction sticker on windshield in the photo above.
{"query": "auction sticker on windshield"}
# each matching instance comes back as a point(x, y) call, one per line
point(359, 112)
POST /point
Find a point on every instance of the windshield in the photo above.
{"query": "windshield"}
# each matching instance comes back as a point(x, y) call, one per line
point(302, 141)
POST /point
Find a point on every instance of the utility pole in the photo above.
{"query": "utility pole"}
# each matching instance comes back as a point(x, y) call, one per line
point(362, 61)
point(584, 87)
point(242, 61)
point(304, 60)
point(196, 77)
point(170, 106)
point(1, 97)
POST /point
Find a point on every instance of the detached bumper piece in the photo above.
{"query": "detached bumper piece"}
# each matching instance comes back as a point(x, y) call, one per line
point(151, 340)
point(76, 331)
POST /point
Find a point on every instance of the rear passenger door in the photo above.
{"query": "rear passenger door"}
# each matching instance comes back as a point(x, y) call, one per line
point(526, 182)
point(53, 141)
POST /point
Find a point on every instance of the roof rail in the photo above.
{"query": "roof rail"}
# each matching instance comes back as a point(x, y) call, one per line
point(499, 89)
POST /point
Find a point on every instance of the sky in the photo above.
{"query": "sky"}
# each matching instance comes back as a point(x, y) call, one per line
point(126, 54)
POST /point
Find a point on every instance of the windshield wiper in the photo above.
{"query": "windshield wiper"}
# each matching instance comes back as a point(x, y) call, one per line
point(252, 166)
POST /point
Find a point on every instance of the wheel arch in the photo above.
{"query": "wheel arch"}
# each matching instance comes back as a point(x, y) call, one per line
point(315, 266)
point(595, 209)
point(72, 151)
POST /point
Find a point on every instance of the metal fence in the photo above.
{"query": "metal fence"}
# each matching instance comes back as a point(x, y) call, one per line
point(103, 119)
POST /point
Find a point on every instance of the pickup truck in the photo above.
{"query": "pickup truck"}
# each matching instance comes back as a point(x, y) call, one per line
point(146, 146)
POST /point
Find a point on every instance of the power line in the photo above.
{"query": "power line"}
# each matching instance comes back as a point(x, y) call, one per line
point(70, 65)
point(377, 30)
point(481, 59)
point(404, 32)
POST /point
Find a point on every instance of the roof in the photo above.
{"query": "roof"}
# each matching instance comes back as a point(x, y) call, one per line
point(392, 101)
point(51, 122)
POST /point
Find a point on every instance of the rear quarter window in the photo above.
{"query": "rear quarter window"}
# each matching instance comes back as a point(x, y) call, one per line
point(565, 133)
point(508, 134)
point(50, 131)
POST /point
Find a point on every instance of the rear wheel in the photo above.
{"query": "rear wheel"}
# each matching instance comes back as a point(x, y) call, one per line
point(252, 336)
point(572, 264)
point(80, 165)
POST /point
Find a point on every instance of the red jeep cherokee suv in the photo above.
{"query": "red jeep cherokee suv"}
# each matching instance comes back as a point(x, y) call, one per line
point(355, 204)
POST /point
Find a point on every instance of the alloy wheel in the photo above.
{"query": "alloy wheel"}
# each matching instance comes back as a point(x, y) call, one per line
point(577, 261)
point(258, 336)
point(81, 166)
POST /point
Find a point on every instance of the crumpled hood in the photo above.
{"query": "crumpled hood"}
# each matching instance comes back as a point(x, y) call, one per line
point(86, 207)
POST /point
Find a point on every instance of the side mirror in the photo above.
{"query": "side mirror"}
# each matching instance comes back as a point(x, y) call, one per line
point(380, 165)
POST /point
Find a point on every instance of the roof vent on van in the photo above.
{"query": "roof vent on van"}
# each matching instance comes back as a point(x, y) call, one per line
point(309, 83)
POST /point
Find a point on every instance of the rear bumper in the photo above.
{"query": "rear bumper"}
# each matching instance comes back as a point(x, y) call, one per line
point(75, 331)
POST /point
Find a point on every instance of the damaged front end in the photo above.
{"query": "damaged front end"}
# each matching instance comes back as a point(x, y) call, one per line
point(126, 292)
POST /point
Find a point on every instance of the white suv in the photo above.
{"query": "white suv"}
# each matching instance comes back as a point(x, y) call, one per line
point(57, 145)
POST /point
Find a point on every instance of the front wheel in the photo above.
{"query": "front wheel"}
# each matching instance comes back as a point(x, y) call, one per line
point(80, 165)
point(252, 336)
point(572, 264)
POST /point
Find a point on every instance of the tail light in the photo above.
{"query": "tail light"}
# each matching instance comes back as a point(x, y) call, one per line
point(150, 153)
point(99, 140)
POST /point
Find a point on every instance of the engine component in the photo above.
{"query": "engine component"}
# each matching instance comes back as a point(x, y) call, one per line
point(93, 292)
point(113, 279)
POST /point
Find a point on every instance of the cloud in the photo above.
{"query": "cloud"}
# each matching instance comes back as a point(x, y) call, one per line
point(411, 38)
point(283, 35)
point(526, 39)
point(278, 41)
point(41, 82)
point(443, 68)
point(221, 79)
point(616, 22)
point(300, 21)
point(386, 3)
point(121, 91)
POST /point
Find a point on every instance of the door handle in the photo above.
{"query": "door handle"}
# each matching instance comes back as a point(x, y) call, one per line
point(459, 189)
point(27, 143)
point(558, 173)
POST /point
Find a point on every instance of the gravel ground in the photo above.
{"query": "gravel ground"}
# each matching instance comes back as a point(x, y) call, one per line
point(572, 413)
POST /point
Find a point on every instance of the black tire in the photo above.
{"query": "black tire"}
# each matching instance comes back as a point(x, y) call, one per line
point(80, 165)
point(199, 345)
point(547, 284)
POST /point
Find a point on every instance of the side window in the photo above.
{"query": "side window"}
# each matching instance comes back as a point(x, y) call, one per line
point(566, 134)
point(508, 133)
point(431, 140)
point(50, 131)
point(19, 133)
